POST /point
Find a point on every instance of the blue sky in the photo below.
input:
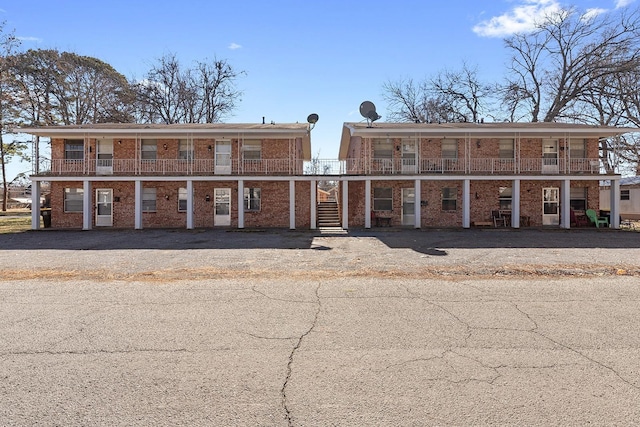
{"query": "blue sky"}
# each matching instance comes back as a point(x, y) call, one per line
point(300, 57)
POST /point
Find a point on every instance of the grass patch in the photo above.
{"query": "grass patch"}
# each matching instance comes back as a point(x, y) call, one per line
point(15, 225)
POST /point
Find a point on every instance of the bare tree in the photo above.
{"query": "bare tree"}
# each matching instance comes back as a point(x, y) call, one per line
point(449, 96)
point(171, 93)
point(462, 91)
point(556, 66)
point(408, 101)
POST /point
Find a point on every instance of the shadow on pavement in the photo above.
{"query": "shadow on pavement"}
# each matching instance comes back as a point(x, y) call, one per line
point(430, 242)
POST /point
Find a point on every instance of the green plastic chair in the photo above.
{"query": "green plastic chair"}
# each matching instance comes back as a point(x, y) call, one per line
point(597, 220)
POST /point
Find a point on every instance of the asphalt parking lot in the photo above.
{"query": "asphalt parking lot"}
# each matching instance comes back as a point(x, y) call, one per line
point(278, 328)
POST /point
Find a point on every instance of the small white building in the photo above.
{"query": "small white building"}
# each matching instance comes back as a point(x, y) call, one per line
point(629, 197)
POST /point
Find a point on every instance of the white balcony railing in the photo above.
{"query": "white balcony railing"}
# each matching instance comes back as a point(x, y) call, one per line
point(321, 167)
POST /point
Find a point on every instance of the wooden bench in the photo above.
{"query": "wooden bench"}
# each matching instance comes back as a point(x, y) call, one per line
point(381, 220)
point(483, 224)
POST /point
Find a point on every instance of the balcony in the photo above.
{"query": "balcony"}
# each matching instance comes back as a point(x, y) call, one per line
point(320, 167)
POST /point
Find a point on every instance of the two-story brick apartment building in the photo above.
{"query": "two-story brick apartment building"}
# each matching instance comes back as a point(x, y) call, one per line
point(197, 175)
point(460, 174)
point(259, 175)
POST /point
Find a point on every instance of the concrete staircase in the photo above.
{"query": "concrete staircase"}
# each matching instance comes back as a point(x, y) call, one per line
point(328, 214)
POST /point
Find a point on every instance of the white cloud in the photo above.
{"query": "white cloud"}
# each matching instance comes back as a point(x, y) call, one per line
point(521, 18)
point(592, 13)
point(29, 39)
point(234, 46)
point(623, 3)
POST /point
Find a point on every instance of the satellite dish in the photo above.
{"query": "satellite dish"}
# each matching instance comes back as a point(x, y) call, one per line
point(368, 111)
point(312, 118)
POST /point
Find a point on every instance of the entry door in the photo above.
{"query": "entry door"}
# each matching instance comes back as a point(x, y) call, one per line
point(104, 207)
point(222, 209)
point(550, 156)
point(104, 157)
point(408, 206)
point(550, 206)
point(223, 158)
point(409, 157)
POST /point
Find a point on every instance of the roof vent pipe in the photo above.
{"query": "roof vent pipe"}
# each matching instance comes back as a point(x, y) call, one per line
point(262, 119)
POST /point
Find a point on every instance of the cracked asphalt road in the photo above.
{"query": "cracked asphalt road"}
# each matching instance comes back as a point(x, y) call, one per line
point(302, 329)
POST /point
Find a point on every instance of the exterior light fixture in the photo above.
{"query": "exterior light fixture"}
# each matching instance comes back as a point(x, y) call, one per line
point(312, 119)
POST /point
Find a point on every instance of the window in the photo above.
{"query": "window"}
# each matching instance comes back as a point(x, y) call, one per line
point(149, 149)
point(182, 199)
point(185, 150)
point(148, 200)
point(251, 199)
point(624, 195)
point(382, 199)
point(505, 198)
point(74, 149)
point(382, 149)
point(449, 148)
point(505, 148)
point(578, 198)
point(577, 149)
point(73, 199)
point(252, 150)
point(449, 196)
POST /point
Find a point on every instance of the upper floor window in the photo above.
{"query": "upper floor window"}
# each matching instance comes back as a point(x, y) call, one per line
point(149, 149)
point(74, 149)
point(382, 148)
point(449, 148)
point(185, 150)
point(252, 150)
point(577, 149)
point(506, 149)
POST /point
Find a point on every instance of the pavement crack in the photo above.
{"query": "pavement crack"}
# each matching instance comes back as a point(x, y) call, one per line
point(581, 354)
point(85, 353)
point(283, 390)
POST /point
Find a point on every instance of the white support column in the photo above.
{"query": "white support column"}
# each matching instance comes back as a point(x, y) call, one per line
point(314, 203)
point(87, 196)
point(345, 204)
point(35, 205)
point(417, 209)
point(466, 204)
point(292, 205)
point(565, 204)
point(367, 203)
point(515, 203)
point(240, 203)
point(138, 205)
point(190, 222)
point(614, 216)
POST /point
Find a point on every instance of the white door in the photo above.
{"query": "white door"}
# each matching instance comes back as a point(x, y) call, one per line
point(223, 158)
point(409, 157)
point(222, 208)
point(550, 156)
point(550, 206)
point(104, 157)
point(408, 206)
point(104, 207)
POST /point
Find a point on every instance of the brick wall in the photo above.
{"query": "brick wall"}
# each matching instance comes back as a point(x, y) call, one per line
point(484, 197)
